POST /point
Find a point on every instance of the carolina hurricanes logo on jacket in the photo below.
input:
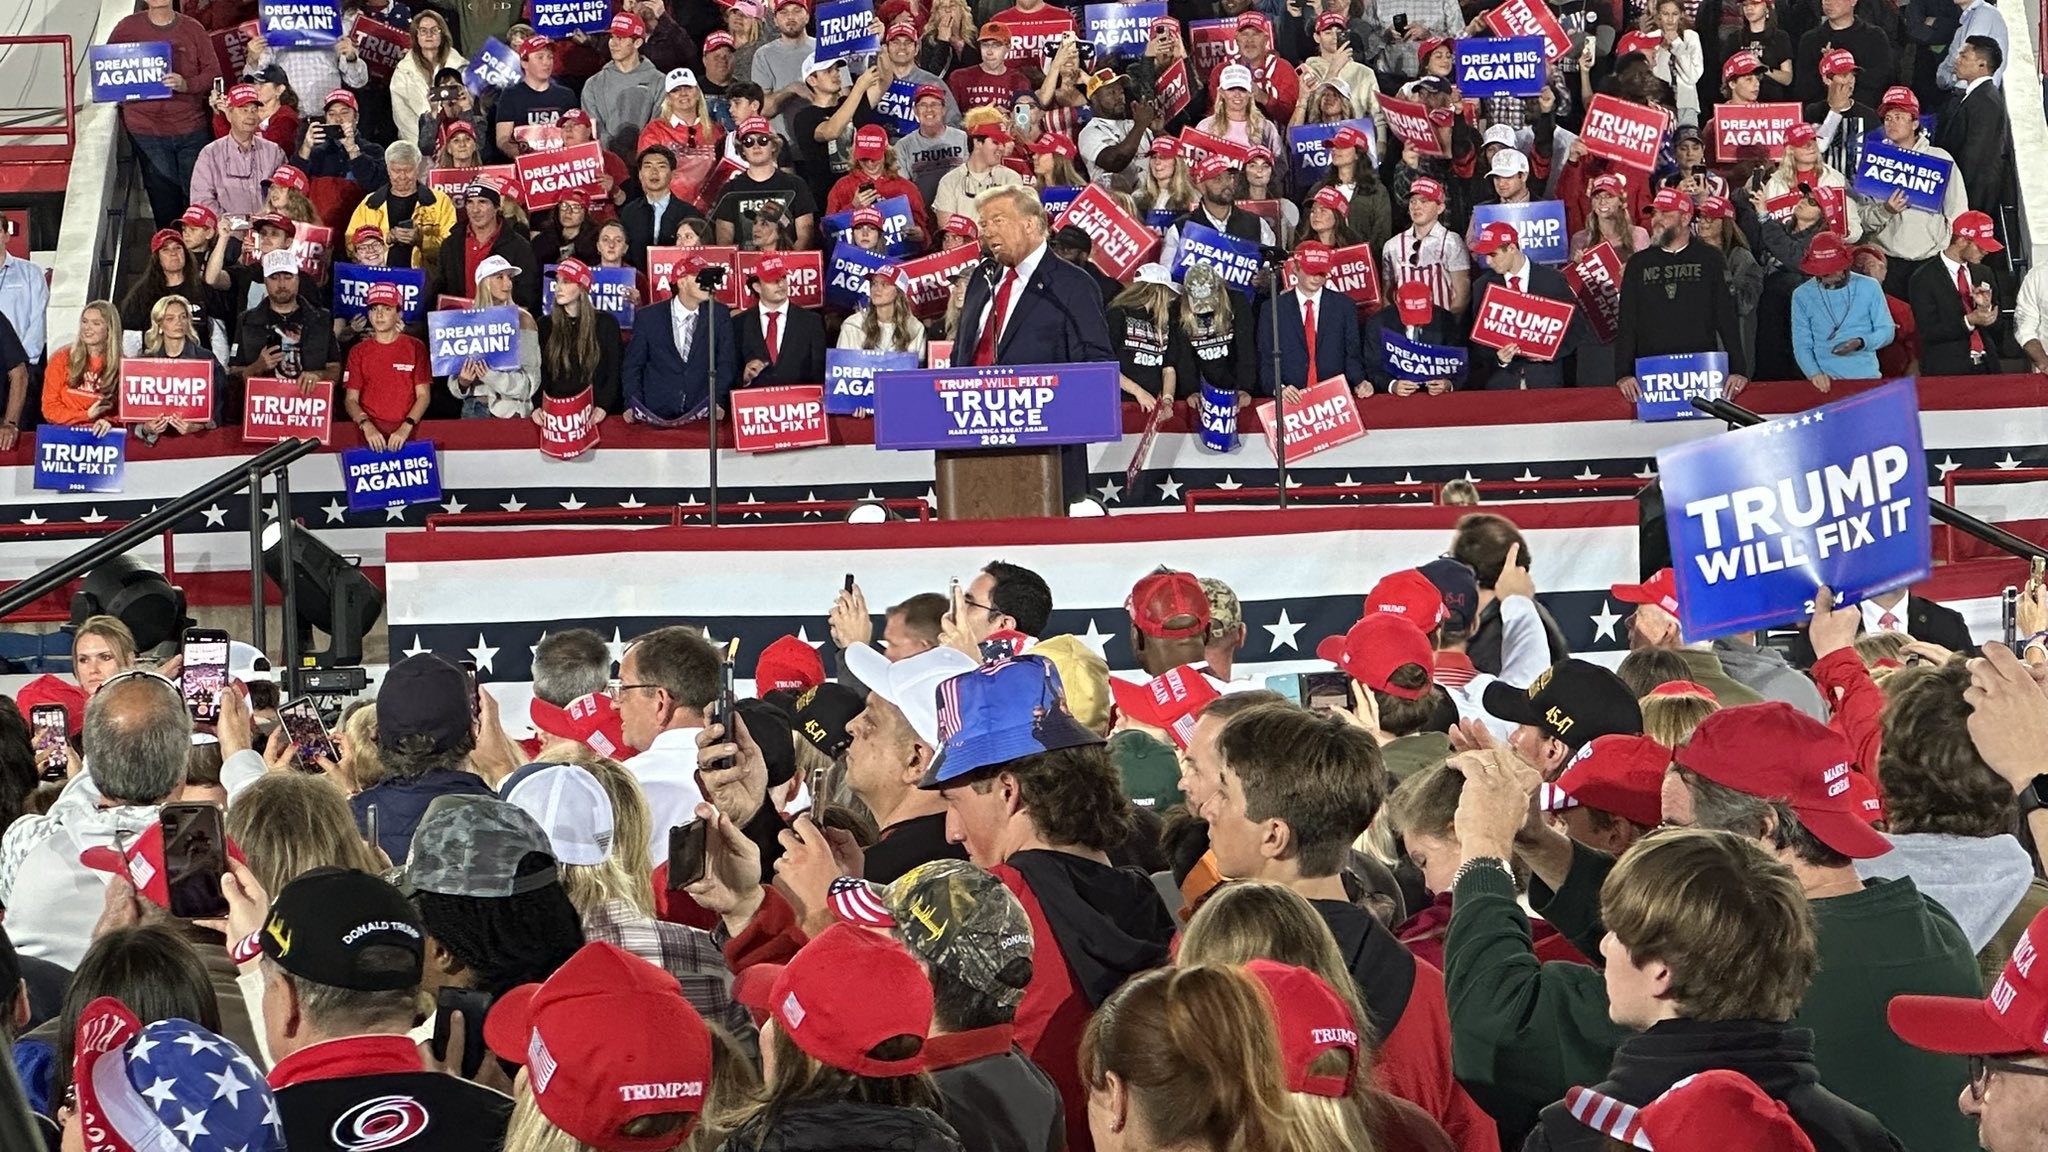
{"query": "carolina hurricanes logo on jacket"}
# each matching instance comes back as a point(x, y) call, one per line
point(379, 1123)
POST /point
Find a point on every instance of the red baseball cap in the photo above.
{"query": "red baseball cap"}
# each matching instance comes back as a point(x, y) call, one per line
point(1745, 63)
point(1160, 598)
point(200, 216)
point(1610, 183)
point(1210, 166)
point(2014, 1018)
point(275, 220)
point(868, 216)
point(1684, 688)
point(47, 689)
point(1332, 197)
point(1055, 144)
point(164, 238)
point(366, 232)
point(1622, 775)
point(243, 95)
point(1660, 589)
point(788, 663)
point(535, 43)
point(900, 31)
point(1253, 20)
point(592, 720)
point(1825, 255)
point(772, 268)
point(1330, 20)
point(1717, 208)
point(1977, 227)
point(1166, 146)
point(1495, 236)
point(1349, 136)
point(1258, 152)
point(1705, 1112)
point(1408, 593)
point(341, 96)
point(871, 142)
point(386, 295)
point(928, 92)
point(1426, 188)
point(835, 1018)
point(1838, 62)
point(960, 225)
point(1899, 96)
point(290, 177)
point(1314, 258)
point(1671, 200)
point(606, 1040)
point(1802, 133)
point(717, 40)
point(1375, 648)
point(628, 24)
point(1168, 701)
point(1429, 45)
point(575, 116)
point(1312, 1019)
point(1414, 301)
point(756, 126)
point(1776, 752)
point(573, 271)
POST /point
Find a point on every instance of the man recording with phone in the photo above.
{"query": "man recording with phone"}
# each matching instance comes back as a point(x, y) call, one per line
point(332, 149)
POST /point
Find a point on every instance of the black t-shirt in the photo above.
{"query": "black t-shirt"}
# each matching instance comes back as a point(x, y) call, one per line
point(1772, 48)
point(1228, 361)
point(820, 163)
point(263, 325)
point(737, 200)
point(521, 106)
point(12, 354)
point(1141, 348)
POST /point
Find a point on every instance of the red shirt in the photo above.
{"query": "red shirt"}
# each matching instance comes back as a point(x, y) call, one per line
point(193, 57)
point(385, 377)
point(977, 87)
point(474, 251)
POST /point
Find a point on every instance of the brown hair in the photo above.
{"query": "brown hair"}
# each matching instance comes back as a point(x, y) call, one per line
point(1731, 923)
point(1403, 717)
point(1074, 795)
point(1934, 780)
point(1427, 802)
point(1481, 544)
point(289, 823)
point(1644, 669)
point(800, 1077)
point(1321, 775)
point(632, 819)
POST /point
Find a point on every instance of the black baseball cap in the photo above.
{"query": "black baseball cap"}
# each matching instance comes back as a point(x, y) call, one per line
point(768, 723)
point(823, 713)
point(423, 695)
point(322, 923)
point(1459, 586)
point(1572, 701)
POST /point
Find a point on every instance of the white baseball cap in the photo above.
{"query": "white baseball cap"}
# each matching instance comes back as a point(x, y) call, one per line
point(491, 266)
point(813, 66)
point(911, 685)
point(569, 805)
point(1509, 162)
point(279, 262)
point(1155, 274)
point(680, 78)
point(1499, 134)
point(1234, 76)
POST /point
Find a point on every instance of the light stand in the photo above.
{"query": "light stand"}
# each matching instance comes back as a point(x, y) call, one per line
point(1274, 259)
point(711, 280)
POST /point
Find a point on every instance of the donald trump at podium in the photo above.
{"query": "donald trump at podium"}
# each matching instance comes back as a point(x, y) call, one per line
point(1024, 305)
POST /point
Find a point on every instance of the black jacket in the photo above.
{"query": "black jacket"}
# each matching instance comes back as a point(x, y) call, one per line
point(513, 247)
point(1925, 620)
point(1977, 131)
point(1522, 372)
point(1779, 1057)
point(451, 1114)
point(1381, 965)
point(996, 1098)
point(844, 1126)
point(644, 231)
point(1938, 312)
point(800, 355)
point(602, 377)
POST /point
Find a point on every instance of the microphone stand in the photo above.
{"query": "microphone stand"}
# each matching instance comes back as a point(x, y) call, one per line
point(711, 280)
point(1274, 258)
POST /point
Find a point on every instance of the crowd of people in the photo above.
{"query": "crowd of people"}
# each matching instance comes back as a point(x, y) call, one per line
point(948, 884)
point(721, 129)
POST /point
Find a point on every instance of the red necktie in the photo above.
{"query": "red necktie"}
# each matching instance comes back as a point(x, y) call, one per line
point(985, 347)
point(1969, 305)
point(1308, 332)
point(1889, 622)
point(773, 333)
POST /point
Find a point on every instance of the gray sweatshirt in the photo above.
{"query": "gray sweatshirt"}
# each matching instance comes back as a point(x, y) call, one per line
point(622, 103)
point(1765, 670)
point(1980, 880)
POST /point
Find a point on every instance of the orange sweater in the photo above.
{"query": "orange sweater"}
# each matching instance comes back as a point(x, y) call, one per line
point(63, 404)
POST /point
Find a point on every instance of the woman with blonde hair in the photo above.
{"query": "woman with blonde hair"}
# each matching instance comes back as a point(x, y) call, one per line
point(743, 24)
point(360, 765)
point(289, 823)
point(683, 124)
point(1164, 186)
point(79, 383)
point(1673, 710)
point(949, 39)
point(282, 198)
point(490, 392)
point(1237, 117)
point(1141, 331)
point(885, 321)
point(1801, 168)
point(171, 336)
point(413, 77)
point(458, 147)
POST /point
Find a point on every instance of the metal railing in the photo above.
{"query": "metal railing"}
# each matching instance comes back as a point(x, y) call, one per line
point(669, 515)
point(1628, 485)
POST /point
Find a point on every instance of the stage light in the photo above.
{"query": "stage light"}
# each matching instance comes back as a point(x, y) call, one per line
point(331, 594)
point(1087, 506)
point(138, 595)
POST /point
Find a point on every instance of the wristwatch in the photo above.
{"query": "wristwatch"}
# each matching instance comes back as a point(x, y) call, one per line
point(1478, 862)
point(2034, 796)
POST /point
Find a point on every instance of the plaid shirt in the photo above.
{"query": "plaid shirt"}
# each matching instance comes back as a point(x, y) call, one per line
point(688, 954)
point(1439, 17)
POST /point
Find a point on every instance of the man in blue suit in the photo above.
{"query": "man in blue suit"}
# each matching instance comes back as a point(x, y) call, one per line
point(1500, 246)
point(1330, 316)
point(668, 371)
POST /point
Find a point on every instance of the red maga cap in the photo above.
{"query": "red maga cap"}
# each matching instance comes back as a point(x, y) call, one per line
point(1621, 775)
point(1705, 1112)
point(1312, 1019)
point(1801, 134)
point(592, 720)
point(1671, 200)
point(788, 663)
point(573, 271)
point(1377, 647)
point(1408, 593)
point(1168, 701)
point(1977, 228)
point(1332, 197)
point(1349, 136)
point(386, 295)
point(1660, 589)
point(1899, 96)
point(628, 24)
point(1774, 751)
point(1160, 598)
point(1838, 62)
point(290, 177)
point(1314, 258)
point(1494, 237)
point(1428, 189)
point(1414, 301)
point(2014, 1018)
point(836, 1020)
point(1210, 166)
point(1745, 63)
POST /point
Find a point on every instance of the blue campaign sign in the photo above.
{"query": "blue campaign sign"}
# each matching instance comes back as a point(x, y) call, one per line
point(122, 72)
point(850, 378)
point(487, 334)
point(1115, 28)
point(352, 290)
point(1236, 260)
point(1413, 360)
point(1761, 517)
point(846, 27)
point(1665, 385)
point(72, 459)
point(895, 222)
point(378, 480)
point(1007, 406)
point(898, 103)
point(846, 275)
point(611, 289)
point(1057, 201)
point(1160, 219)
point(1539, 223)
point(495, 66)
point(1309, 148)
point(557, 18)
point(1886, 168)
point(1218, 417)
point(1502, 66)
point(300, 23)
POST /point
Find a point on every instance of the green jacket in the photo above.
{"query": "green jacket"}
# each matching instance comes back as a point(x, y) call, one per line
point(1705, 670)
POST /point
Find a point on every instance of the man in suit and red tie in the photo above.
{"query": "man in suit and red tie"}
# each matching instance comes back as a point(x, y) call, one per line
point(1954, 304)
point(779, 343)
point(669, 376)
point(1319, 335)
point(1500, 246)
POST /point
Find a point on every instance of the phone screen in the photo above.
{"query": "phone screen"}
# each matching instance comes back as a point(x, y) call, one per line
point(206, 672)
point(686, 844)
point(302, 727)
point(195, 855)
point(50, 723)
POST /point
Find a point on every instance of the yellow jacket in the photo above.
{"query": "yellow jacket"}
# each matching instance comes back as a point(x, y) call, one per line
point(434, 219)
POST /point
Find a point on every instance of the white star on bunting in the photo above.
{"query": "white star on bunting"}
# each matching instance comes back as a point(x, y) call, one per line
point(1948, 464)
point(632, 501)
point(335, 510)
point(1229, 485)
point(93, 517)
point(515, 504)
point(572, 503)
point(1604, 621)
point(1111, 490)
point(417, 649)
point(453, 506)
point(483, 654)
point(1170, 490)
point(1283, 634)
point(396, 512)
point(216, 516)
point(34, 518)
point(2008, 464)
point(1096, 639)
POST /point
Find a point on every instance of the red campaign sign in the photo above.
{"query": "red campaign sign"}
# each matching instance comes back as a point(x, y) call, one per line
point(661, 268)
point(1833, 206)
point(1408, 120)
point(544, 176)
point(1199, 144)
point(931, 278)
point(938, 353)
point(453, 181)
point(1211, 42)
point(1595, 280)
point(771, 419)
point(446, 303)
point(274, 410)
point(231, 47)
point(1530, 18)
point(1122, 242)
point(14, 225)
point(1752, 131)
point(311, 244)
point(1326, 417)
point(155, 388)
point(381, 45)
point(568, 426)
point(714, 182)
point(1535, 325)
point(1623, 131)
point(1174, 92)
point(806, 278)
point(1029, 34)
point(1354, 274)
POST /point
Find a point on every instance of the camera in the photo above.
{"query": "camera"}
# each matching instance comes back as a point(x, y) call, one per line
point(711, 279)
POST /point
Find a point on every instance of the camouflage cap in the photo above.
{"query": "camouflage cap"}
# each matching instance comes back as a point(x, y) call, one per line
point(1226, 615)
point(958, 919)
point(473, 846)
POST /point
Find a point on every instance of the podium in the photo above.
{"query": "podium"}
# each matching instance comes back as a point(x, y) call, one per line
point(996, 433)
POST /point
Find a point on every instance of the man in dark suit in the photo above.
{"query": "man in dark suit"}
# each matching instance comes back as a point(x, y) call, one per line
point(1506, 265)
point(652, 219)
point(1977, 131)
point(779, 344)
point(668, 373)
point(1414, 316)
point(1311, 318)
point(1954, 304)
point(1898, 611)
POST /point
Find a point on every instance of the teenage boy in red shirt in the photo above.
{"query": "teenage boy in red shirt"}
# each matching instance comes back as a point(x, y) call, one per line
point(386, 385)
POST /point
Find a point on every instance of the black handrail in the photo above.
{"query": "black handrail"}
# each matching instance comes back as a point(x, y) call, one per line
point(271, 459)
point(1941, 510)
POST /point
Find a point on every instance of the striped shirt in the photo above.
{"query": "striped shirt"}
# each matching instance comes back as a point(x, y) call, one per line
point(1430, 258)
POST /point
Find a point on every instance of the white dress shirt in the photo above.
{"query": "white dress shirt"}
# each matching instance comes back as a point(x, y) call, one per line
point(667, 772)
point(781, 329)
point(1873, 614)
point(1021, 275)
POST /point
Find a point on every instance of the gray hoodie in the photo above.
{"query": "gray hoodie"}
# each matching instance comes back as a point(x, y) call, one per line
point(1980, 880)
point(1765, 670)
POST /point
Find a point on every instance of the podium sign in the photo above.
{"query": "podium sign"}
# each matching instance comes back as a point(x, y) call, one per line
point(1006, 406)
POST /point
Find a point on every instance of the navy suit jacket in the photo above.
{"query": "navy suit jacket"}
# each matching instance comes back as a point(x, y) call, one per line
point(1339, 345)
point(1522, 372)
point(657, 379)
point(1056, 318)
